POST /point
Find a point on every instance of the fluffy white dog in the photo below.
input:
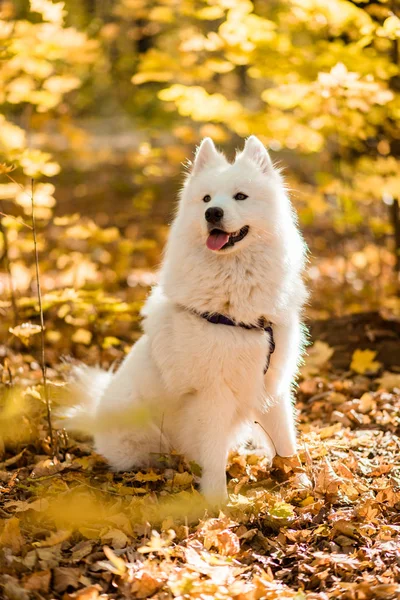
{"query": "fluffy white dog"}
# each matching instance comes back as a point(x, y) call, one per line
point(230, 286)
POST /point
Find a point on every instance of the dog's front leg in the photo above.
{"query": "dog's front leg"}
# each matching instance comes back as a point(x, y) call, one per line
point(279, 421)
point(205, 437)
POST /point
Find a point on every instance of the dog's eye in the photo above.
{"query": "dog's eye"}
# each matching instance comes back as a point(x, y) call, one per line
point(240, 196)
point(207, 198)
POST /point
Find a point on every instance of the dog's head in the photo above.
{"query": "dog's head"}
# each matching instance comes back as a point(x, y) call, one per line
point(230, 206)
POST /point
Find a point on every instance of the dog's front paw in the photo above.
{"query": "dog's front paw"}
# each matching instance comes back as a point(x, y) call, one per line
point(215, 493)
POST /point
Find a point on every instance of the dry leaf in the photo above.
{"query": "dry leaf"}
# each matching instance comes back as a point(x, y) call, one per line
point(117, 562)
point(11, 535)
point(363, 362)
point(116, 537)
point(228, 543)
point(317, 356)
point(91, 592)
point(389, 380)
point(57, 537)
point(145, 584)
point(65, 577)
point(327, 483)
point(38, 581)
point(47, 467)
point(183, 479)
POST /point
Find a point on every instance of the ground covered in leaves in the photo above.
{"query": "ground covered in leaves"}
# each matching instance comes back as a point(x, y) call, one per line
point(325, 524)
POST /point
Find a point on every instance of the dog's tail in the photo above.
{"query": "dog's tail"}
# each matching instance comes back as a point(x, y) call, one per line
point(85, 388)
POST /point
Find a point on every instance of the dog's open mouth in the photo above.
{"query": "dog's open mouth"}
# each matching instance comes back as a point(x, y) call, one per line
point(219, 239)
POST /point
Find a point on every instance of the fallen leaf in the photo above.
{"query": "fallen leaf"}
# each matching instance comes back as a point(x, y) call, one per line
point(38, 581)
point(366, 404)
point(11, 535)
point(327, 483)
point(91, 592)
point(47, 467)
point(182, 479)
point(145, 584)
point(149, 476)
point(389, 380)
point(65, 577)
point(317, 356)
point(57, 537)
point(228, 543)
point(117, 562)
point(39, 505)
point(13, 590)
point(329, 431)
point(346, 528)
point(117, 538)
point(363, 362)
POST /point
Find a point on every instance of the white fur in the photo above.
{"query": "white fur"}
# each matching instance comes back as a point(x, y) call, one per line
point(202, 384)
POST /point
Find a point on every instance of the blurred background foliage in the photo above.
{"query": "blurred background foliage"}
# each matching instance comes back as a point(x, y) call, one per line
point(101, 101)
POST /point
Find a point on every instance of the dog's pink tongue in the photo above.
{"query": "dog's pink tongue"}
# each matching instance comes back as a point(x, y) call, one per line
point(215, 241)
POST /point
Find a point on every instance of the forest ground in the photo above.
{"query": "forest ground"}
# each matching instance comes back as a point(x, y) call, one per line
point(324, 524)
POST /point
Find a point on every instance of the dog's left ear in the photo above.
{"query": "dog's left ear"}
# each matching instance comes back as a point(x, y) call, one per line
point(207, 156)
point(255, 151)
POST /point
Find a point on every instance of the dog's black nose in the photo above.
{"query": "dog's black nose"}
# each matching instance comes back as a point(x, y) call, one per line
point(214, 214)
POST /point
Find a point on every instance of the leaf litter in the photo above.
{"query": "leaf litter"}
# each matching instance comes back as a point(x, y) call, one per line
point(322, 525)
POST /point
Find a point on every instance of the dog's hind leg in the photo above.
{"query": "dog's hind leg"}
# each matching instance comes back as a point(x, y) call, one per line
point(137, 447)
point(126, 424)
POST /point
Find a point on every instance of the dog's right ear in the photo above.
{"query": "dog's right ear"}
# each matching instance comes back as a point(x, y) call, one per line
point(206, 156)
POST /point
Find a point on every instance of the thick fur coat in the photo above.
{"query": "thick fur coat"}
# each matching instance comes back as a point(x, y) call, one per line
point(195, 386)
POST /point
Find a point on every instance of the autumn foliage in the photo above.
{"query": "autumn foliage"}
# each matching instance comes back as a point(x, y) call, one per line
point(100, 104)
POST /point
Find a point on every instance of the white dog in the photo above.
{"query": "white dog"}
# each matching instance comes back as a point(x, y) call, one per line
point(230, 286)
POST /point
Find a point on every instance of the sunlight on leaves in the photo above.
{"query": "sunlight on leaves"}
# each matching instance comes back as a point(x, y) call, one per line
point(363, 362)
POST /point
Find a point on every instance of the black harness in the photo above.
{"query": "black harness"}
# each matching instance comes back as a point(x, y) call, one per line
point(262, 324)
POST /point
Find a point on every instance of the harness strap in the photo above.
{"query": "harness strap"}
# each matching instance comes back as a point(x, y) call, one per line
point(264, 325)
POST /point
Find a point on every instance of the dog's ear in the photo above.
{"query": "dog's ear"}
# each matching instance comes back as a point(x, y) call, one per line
point(255, 151)
point(207, 156)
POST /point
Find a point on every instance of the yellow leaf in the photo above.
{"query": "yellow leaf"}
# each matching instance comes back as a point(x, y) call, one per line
point(182, 479)
point(54, 13)
point(42, 192)
point(318, 355)
point(25, 331)
point(11, 535)
point(6, 168)
point(363, 362)
point(117, 562)
point(329, 431)
point(56, 537)
point(307, 501)
point(89, 533)
point(210, 13)
point(110, 341)
point(82, 336)
point(282, 510)
point(150, 476)
point(389, 381)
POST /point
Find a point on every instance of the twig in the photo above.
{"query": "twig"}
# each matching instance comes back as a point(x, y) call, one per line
point(2, 214)
point(39, 293)
point(12, 461)
point(6, 259)
point(319, 396)
point(267, 434)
